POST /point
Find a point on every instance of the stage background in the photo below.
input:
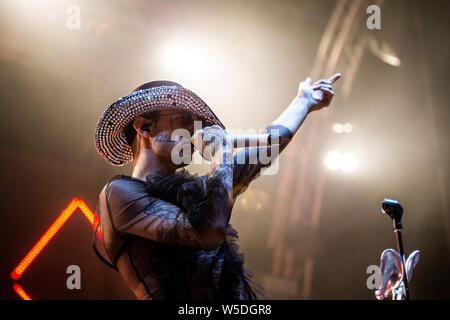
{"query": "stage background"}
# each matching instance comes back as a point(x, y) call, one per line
point(248, 59)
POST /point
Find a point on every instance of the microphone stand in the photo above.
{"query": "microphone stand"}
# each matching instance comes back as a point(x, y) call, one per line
point(393, 209)
point(397, 224)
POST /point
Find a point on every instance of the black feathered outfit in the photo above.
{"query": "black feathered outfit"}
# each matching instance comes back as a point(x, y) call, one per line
point(145, 232)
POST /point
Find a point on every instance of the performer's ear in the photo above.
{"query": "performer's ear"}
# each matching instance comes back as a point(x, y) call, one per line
point(143, 126)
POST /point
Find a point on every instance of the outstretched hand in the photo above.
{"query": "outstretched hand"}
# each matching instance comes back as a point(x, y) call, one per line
point(318, 94)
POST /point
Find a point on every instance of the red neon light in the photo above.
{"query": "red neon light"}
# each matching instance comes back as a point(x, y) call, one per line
point(49, 234)
point(18, 289)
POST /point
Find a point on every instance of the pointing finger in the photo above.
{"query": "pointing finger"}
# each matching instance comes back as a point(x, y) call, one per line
point(335, 77)
point(322, 81)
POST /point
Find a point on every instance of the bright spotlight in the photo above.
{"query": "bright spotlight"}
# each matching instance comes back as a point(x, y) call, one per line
point(348, 163)
point(390, 59)
point(348, 127)
point(338, 128)
point(384, 51)
point(186, 57)
point(335, 160)
point(342, 127)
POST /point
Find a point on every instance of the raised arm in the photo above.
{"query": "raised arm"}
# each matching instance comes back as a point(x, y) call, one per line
point(310, 97)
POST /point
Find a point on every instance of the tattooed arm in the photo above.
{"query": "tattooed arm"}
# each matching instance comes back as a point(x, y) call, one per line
point(221, 154)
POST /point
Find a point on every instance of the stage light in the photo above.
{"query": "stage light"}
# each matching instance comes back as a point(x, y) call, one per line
point(186, 57)
point(348, 127)
point(391, 59)
point(342, 127)
point(18, 289)
point(335, 160)
point(348, 162)
point(338, 128)
point(254, 200)
point(384, 51)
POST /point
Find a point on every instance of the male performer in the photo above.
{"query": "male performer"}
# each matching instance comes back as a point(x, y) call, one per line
point(165, 231)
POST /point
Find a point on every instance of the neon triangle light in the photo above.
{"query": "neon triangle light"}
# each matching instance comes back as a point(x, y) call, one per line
point(18, 289)
point(47, 236)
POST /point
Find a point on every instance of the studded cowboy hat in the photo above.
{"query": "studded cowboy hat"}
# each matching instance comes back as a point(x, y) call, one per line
point(110, 139)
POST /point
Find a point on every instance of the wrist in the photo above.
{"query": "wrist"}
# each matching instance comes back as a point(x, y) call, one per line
point(302, 102)
point(221, 165)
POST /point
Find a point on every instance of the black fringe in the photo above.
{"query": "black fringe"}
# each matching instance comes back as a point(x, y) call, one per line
point(196, 196)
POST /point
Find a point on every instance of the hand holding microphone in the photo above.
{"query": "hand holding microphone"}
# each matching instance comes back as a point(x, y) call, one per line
point(212, 143)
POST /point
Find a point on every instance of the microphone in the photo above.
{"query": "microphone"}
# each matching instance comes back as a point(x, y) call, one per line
point(249, 140)
point(394, 210)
